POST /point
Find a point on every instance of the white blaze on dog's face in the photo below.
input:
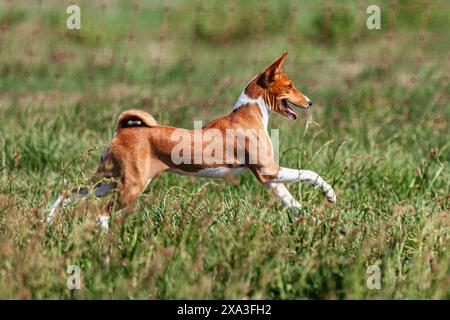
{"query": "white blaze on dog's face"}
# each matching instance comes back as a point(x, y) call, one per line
point(279, 91)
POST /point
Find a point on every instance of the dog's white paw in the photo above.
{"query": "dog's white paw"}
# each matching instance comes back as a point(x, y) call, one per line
point(103, 222)
point(52, 212)
point(331, 196)
point(297, 212)
point(300, 214)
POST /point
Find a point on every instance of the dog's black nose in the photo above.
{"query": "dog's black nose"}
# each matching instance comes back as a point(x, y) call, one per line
point(310, 103)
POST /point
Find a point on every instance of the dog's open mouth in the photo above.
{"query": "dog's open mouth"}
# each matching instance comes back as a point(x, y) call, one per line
point(289, 112)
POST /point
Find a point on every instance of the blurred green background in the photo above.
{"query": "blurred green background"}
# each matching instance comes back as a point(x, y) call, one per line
point(378, 130)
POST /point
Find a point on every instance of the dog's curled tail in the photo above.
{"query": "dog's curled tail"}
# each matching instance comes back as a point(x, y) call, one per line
point(135, 118)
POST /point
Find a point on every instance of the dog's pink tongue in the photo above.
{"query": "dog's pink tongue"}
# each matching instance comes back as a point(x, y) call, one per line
point(292, 114)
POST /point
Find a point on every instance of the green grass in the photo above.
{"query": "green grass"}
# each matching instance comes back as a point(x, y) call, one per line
point(379, 131)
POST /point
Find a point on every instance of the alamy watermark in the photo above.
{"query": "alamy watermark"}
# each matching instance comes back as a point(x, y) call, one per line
point(74, 19)
point(373, 280)
point(374, 20)
point(74, 279)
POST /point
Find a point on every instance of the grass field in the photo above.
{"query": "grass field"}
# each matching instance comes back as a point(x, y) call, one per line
point(379, 131)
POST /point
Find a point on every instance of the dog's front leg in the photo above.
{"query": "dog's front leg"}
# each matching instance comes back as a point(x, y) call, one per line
point(287, 199)
point(283, 195)
point(287, 175)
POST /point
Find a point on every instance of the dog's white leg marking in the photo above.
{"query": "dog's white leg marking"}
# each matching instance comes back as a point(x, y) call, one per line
point(310, 177)
point(81, 193)
point(288, 200)
point(284, 195)
point(103, 222)
point(52, 212)
point(65, 201)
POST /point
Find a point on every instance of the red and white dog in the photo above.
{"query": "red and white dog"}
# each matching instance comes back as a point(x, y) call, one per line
point(141, 149)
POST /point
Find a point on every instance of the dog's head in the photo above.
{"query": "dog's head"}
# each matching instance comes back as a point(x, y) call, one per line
point(278, 91)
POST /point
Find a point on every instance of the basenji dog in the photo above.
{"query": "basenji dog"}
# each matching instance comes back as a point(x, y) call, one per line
point(141, 149)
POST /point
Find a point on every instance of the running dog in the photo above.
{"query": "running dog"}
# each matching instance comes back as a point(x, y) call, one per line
point(141, 149)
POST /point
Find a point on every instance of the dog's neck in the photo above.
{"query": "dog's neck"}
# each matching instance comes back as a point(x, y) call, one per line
point(244, 99)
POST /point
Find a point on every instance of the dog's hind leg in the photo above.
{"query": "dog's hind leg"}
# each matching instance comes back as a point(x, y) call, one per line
point(128, 193)
point(101, 189)
point(108, 168)
point(75, 194)
point(52, 212)
point(134, 181)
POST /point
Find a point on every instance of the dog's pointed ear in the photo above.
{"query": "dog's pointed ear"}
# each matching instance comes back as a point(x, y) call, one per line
point(268, 76)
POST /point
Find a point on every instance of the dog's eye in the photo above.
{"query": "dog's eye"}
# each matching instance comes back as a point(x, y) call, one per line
point(290, 85)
